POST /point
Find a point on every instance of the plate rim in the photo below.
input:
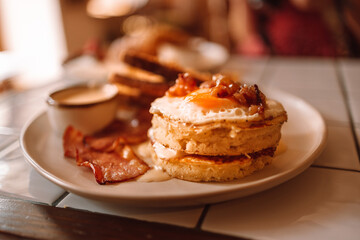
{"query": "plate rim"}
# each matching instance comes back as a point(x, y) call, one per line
point(271, 181)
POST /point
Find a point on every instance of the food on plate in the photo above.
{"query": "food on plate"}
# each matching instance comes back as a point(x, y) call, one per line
point(135, 93)
point(148, 40)
point(152, 64)
point(148, 79)
point(219, 131)
point(156, 89)
point(170, 44)
point(215, 130)
point(109, 152)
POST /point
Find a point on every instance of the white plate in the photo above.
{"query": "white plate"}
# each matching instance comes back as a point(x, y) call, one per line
point(304, 135)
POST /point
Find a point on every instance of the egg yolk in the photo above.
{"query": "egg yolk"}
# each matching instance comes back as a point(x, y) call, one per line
point(204, 99)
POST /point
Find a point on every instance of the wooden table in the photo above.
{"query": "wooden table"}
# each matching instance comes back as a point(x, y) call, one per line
point(321, 203)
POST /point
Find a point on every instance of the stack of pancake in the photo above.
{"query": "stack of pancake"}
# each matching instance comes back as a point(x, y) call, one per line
point(207, 134)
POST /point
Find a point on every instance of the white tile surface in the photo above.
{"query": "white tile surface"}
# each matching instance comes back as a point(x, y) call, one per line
point(311, 95)
point(248, 70)
point(302, 74)
point(350, 70)
point(15, 116)
point(186, 217)
point(6, 140)
point(353, 95)
point(351, 75)
point(313, 80)
point(318, 204)
point(334, 112)
point(306, 78)
point(17, 177)
point(340, 150)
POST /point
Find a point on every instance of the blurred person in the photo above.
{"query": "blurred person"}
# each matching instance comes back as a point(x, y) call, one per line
point(295, 27)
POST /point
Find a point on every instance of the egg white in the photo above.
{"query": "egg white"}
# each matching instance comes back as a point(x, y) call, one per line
point(189, 112)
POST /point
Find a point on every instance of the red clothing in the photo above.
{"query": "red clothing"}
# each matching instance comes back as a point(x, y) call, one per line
point(298, 33)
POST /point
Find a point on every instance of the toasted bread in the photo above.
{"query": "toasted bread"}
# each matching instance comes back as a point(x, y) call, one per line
point(169, 71)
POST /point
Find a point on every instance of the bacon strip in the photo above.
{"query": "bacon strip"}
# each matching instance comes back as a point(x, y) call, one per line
point(73, 141)
point(111, 161)
point(120, 165)
point(104, 144)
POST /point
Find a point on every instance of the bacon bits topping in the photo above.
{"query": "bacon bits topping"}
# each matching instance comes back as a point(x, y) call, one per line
point(251, 97)
point(111, 161)
point(184, 85)
point(222, 87)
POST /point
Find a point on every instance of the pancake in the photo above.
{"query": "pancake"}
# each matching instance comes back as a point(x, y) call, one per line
point(199, 168)
point(220, 132)
point(218, 137)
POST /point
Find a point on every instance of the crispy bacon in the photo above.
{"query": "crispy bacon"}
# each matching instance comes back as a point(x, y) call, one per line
point(184, 85)
point(110, 158)
point(224, 86)
point(104, 144)
point(110, 167)
point(250, 95)
point(73, 140)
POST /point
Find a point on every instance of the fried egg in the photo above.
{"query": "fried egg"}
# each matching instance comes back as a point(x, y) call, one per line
point(200, 107)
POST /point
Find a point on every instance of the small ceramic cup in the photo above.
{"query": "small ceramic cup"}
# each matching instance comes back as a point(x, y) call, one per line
point(88, 109)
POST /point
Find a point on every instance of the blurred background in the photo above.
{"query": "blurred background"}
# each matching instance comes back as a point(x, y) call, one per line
point(39, 37)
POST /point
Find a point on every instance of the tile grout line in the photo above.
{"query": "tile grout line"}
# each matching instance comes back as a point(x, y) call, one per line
point(10, 148)
point(59, 199)
point(340, 78)
point(8, 195)
point(202, 217)
point(335, 168)
point(6, 142)
point(335, 123)
point(262, 75)
point(7, 131)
